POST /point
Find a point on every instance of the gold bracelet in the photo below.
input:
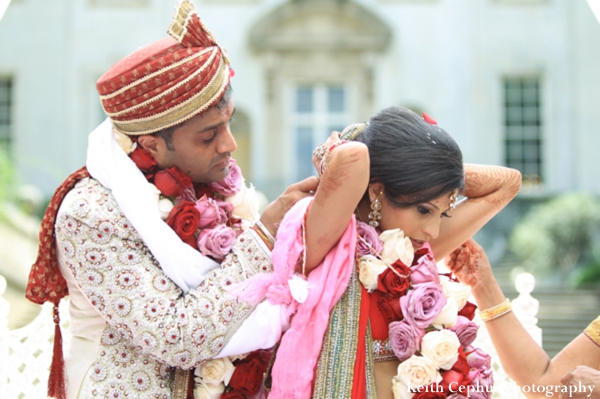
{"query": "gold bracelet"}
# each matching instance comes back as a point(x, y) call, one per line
point(495, 311)
point(593, 331)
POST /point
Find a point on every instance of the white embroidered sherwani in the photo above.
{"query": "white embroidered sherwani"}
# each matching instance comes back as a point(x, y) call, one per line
point(130, 324)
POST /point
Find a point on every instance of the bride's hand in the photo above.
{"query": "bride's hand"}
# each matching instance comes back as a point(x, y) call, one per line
point(470, 264)
point(321, 153)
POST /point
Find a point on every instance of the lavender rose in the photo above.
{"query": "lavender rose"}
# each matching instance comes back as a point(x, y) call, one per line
point(216, 242)
point(404, 339)
point(232, 184)
point(425, 271)
point(423, 304)
point(483, 380)
point(478, 359)
point(368, 236)
point(465, 330)
point(211, 212)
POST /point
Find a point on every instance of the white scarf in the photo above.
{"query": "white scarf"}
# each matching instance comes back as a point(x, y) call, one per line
point(108, 163)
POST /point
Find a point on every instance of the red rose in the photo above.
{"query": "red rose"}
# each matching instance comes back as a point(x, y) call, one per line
point(389, 308)
point(429, 392)
point(184, 218)
point(202, 190)
point(171, 182)
point(248, 374)
point(233, 395)
point(143, 159)
point(394, 284)
point(468, 310)
point(457, 376)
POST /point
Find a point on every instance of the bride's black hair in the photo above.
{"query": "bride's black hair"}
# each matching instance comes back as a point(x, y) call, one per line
point(413, 159)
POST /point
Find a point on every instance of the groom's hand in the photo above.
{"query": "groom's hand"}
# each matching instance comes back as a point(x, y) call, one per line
point(275, 211)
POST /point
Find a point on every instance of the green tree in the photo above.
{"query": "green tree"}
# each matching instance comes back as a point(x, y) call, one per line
point(557, 236)
point(7, 176)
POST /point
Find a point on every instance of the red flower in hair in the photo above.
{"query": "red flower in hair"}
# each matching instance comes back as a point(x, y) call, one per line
point(429, 119)
point(171, 182)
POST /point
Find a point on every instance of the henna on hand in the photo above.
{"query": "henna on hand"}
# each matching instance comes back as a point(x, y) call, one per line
point(494, 184)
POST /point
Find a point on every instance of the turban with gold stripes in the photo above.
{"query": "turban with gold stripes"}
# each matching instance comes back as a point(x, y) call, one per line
point(166, 82)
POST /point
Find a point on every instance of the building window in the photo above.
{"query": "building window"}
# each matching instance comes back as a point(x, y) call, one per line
point(523, 127)
point(317, 111)
point(6, 86)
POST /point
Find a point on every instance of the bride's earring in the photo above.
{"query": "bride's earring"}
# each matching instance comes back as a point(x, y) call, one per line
point(375, 215)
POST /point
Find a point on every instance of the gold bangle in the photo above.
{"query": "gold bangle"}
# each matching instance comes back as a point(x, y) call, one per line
point(495, 311)
point(265, 231)
point(593, 331)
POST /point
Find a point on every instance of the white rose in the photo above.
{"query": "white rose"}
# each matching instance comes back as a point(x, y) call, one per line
point(164, 208)
point(396, 246)
point(208, 391)
point(369, 269)
point(215, 371)
point(400, 390)
point(418, 371)
point(455, 291)
point(124, 141)
point(245, 204)
point(441, 347)
point(448, 317)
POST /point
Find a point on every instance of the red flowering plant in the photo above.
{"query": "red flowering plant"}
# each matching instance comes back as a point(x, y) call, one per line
point(207, 217)
point(427, 317)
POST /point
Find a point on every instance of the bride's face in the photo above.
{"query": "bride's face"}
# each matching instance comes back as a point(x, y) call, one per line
point(420, 222)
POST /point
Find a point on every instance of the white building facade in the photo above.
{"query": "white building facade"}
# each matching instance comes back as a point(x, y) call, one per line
point(516, 82)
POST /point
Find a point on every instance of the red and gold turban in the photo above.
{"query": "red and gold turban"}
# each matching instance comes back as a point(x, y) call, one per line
point(168, 81)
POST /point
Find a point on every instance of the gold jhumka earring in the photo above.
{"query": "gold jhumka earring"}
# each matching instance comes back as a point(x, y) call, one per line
point(375, 215)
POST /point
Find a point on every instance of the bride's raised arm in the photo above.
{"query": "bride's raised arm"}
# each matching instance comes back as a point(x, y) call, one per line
point(344, 179)
point(488, 189)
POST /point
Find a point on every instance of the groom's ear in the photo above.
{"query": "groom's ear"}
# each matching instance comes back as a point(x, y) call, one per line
point(374, 190)
point(153, 145)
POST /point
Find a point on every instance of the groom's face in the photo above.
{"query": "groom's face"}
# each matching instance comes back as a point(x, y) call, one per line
point(201, 146)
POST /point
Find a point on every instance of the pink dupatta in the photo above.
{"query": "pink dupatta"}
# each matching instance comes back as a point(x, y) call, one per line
point(294, 368)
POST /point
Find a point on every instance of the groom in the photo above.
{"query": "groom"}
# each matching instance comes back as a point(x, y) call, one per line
point(146, 306)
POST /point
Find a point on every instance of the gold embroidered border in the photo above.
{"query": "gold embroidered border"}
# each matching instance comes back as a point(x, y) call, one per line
point(335, 368)
point(178, 27)
point(182, 112)
point(593, 331)
point(370, 370)
point(181, 383)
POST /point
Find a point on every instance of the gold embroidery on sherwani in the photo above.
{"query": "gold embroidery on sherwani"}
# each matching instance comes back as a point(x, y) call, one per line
point(151, 326)
point(593, 331)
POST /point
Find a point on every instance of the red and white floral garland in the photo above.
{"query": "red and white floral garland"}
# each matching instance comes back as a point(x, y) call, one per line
point(429, 319)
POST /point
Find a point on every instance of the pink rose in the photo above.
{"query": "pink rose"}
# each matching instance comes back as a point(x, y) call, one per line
point(478, 359)
point(424, 271)
point(423, 304)
point(211, 212)
point(216, 242)
point(404, 339)
point(226, 207)
point(367, 236)
point(232, 184)
point(465, 330)
point(483, 380)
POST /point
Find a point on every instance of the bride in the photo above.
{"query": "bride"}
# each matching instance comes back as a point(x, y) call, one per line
point(387, 204)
